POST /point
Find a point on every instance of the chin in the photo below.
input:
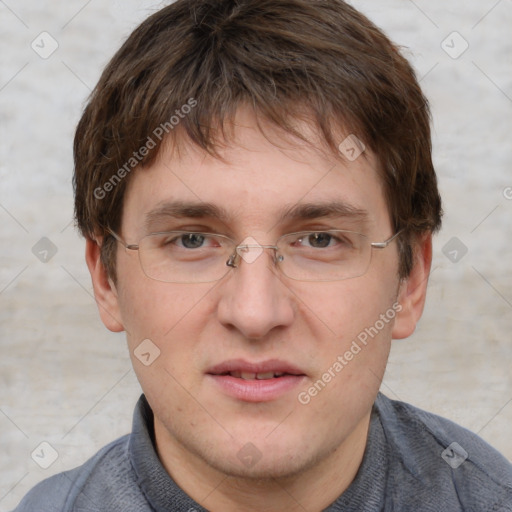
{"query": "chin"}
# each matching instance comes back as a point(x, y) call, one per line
point(258, 459)
point(266, 468)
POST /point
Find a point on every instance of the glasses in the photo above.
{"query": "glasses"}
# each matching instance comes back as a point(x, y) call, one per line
point(194, 257)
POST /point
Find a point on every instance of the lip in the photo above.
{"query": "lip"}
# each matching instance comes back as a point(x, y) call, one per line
point(255, 390)
point(270, 365)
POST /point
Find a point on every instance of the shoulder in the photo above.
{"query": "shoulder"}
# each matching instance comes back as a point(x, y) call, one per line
point(444, 458)
point(60, 492)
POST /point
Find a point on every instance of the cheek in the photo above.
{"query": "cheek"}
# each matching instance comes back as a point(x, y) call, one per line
point(161, 311)
point(165, 321)
point(352, 326)
point(341, 311)
point(351, 362)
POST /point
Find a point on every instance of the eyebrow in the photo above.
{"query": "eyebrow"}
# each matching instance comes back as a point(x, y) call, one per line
point(184, 210)
point(301, 211)
point(305, 211)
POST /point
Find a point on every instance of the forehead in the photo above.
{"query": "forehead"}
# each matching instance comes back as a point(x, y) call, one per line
point(262, 177)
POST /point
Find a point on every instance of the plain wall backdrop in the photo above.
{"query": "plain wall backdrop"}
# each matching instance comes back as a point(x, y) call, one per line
point(65, 380)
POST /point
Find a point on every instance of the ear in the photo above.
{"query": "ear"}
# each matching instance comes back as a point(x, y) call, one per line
point(105, 291)
point(413, 289)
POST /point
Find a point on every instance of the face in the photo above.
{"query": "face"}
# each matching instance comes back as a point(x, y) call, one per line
point(255, 320)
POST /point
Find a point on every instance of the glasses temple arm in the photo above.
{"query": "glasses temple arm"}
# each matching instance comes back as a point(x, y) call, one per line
point(133, 247)
point(383, 245)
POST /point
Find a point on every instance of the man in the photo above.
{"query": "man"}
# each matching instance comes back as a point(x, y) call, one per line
point(255, 186)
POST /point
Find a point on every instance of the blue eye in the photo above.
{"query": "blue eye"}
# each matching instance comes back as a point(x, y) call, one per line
point(191, 240)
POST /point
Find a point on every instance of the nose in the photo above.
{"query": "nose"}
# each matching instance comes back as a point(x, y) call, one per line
point(254, 299)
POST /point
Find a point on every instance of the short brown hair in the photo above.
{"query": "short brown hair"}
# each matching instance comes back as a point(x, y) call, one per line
point(281, 57)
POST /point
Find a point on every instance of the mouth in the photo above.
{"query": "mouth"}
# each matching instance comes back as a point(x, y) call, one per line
point(238, 374)
point(255, 382)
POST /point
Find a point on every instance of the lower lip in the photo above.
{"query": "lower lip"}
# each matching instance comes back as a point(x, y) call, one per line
point(263, 390)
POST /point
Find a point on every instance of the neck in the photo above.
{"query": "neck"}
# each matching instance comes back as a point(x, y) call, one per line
point(313, 489)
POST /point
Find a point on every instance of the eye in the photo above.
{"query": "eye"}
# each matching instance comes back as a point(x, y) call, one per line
point(190, 240)
point(318, 240)
point(185, 241)
point(322, 240)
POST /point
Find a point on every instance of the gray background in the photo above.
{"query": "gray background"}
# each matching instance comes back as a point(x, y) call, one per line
point(66, 380)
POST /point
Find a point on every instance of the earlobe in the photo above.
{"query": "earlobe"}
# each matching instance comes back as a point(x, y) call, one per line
point(413, 289)
point(105, 292)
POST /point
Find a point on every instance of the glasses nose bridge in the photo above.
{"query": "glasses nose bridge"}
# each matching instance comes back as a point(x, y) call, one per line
point(243, 252)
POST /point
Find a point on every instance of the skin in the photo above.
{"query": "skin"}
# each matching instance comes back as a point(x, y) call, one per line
point(309, 453)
